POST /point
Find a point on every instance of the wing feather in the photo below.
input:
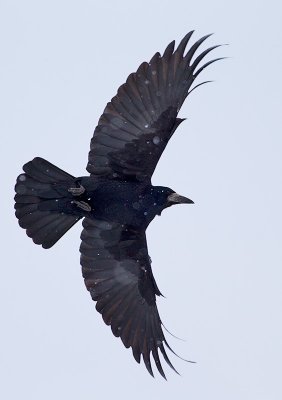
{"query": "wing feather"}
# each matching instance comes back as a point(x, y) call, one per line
point(137, 124)
point(117, 272)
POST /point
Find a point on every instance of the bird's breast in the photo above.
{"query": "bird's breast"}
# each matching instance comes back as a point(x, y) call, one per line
point(123, 203)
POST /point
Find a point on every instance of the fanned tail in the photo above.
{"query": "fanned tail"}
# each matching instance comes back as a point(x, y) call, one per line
point(42, 202)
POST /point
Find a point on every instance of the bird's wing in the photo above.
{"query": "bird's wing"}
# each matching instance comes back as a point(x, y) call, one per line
point(137, 124)
point(117, 272)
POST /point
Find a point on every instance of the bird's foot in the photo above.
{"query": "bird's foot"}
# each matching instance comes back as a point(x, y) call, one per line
point(77, 191)
point(83, 205)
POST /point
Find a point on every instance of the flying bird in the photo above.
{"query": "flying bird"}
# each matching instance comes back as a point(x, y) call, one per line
point(117, 201)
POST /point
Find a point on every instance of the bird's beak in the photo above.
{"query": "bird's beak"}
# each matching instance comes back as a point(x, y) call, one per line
point(177, 199)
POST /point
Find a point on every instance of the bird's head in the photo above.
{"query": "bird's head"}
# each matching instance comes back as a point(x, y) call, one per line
point(166, 197)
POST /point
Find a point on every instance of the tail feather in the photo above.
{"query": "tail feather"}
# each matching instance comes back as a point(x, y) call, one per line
point(42, 200)
point(45, 172)
point(49, 228)
point(27, 186)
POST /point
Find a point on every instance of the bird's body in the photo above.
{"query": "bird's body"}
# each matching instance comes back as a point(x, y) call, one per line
point(117, 201)
point(129, 203)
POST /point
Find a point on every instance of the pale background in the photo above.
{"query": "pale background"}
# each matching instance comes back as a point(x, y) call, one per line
point(218, 262)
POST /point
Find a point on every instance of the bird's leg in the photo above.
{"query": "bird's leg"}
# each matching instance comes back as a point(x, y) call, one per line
point(77, 191)
point(82, 204)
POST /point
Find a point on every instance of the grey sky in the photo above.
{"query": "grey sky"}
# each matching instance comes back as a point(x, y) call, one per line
point(217, 262)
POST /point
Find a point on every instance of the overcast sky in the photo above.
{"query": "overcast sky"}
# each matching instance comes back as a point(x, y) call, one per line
point(218, 262)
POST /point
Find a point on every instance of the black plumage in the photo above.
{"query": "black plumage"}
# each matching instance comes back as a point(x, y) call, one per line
point(117, 201)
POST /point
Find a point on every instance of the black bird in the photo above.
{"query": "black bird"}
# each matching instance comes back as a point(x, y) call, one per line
point(117, 201)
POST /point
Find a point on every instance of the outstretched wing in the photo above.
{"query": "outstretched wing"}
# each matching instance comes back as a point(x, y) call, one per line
point(117, 272)
point(137, 124)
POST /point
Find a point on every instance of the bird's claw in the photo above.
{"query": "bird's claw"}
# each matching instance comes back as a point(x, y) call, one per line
point(83, 205)
point(77, 191)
